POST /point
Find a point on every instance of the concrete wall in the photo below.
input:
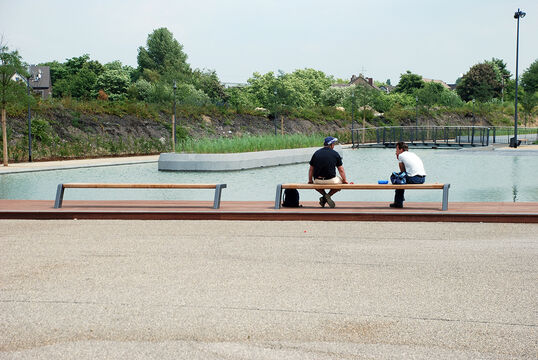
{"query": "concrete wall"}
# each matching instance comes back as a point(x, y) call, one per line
point(235, 161)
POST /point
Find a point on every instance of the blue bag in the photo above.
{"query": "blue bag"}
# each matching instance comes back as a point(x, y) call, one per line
point(398, 178)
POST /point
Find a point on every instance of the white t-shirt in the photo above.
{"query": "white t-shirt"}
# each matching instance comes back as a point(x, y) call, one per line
point(413, 164)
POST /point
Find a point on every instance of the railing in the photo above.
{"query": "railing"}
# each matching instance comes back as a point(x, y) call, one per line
point(438, 136)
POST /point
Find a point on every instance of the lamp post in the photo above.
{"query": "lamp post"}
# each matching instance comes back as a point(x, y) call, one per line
point(416, 117)
point(29, 116)
point(174, 121)
point(275, 115)
point(517, 15)
point(352, 116)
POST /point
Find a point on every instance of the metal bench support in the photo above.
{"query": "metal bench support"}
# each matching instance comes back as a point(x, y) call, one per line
point(278, 196)
point(218, 192)
point(59, 196)
point(445, 197)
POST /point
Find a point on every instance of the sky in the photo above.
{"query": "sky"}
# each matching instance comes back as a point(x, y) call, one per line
point(381, 39)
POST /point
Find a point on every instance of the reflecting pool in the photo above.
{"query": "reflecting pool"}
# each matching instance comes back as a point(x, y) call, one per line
point(473, 175)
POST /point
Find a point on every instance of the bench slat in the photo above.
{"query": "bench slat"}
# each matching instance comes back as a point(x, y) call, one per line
point(362, 186)
point(138, 186)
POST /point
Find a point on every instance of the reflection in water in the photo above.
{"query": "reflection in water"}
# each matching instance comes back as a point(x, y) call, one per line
point(515, 176)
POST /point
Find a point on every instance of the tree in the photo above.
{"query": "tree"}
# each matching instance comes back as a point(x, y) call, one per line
point(529, 79)
point(10, 64)
point(164, 55)
point(480, 82)
point(528, 102)
point(409, 82)
point(430, 94)
point(209, 83)
point(76, 77)
point(500, 66)
point(114, 83)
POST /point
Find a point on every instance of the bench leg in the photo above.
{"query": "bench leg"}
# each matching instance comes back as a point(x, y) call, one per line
point(445, 197)
point(218, 192)
point(278, 196)
point(59, 196)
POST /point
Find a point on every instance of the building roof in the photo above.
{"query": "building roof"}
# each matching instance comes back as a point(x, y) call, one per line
point(358, 80)
point(445, 85)
point(40, 77)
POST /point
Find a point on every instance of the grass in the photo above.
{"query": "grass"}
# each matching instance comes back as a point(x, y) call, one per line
point(249, 143)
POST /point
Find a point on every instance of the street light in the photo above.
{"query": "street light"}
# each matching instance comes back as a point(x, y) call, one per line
point(174, 121)
point(416, 117)
point(352, 116)
point(29, 116)
point(517, 15)
point(275, 115)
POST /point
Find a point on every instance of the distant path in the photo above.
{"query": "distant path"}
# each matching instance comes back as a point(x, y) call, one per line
point(74, 164)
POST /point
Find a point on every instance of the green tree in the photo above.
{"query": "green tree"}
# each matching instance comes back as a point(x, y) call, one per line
point(315, 82)
point(430, 94)
point(209, 83)
point(10, 64)
point(82, 83)
point(263, 88)
point(58, 71)
point(529, 103)
point(114, 82)
point(529, 79)
point(481, 82)
point(409, 82)
point(500, 66)
point(164, 55)
point(240, 98)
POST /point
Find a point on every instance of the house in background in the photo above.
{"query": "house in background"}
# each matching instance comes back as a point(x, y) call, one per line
point(444, 84)
point(358, 80)
point(40, 80)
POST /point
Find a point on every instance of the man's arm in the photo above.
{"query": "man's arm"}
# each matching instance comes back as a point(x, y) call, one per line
point(402, 166)
point(311, 175)
point(342, 174)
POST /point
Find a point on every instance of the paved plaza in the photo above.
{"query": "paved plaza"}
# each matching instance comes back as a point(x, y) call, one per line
point(73, 289)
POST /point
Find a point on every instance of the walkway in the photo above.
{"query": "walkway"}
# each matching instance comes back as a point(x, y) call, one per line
point(267, 290)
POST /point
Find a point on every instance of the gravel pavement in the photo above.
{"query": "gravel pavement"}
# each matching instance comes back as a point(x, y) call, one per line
point(267, 290)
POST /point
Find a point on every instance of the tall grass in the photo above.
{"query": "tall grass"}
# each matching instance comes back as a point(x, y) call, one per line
point(249, 143)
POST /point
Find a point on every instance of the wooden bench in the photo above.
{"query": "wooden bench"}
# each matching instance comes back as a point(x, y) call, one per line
point(61, 188)
point(443, 187)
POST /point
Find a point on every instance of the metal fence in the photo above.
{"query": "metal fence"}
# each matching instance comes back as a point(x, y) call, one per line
point(439, 136)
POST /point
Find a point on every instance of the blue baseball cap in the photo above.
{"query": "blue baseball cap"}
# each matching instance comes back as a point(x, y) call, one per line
point(329, 140)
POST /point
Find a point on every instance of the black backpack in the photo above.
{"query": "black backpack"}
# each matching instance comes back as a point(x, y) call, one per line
point(291, 198)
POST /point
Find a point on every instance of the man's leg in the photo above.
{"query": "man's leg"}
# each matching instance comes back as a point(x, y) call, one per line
point(398, 198)
point(399, 194)
point(322, 200)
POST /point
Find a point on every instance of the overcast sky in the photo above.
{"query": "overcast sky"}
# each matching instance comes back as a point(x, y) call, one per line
point(437, 39)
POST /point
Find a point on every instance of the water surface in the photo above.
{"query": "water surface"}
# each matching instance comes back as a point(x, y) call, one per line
point(473, 175)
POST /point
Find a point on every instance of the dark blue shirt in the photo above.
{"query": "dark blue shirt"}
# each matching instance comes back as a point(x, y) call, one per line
point(325, 161)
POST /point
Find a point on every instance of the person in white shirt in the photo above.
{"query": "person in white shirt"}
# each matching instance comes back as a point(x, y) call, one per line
point(413, 166)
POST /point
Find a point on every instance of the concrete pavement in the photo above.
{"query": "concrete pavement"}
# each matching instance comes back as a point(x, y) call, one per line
point(267, 290)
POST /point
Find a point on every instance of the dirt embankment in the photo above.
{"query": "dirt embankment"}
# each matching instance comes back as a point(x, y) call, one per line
point(69, 126)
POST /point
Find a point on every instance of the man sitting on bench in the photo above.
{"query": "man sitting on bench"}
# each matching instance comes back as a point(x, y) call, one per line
point(413, 166)
point(322, 170)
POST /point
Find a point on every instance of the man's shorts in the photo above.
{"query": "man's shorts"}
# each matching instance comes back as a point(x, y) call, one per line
point(335, 180)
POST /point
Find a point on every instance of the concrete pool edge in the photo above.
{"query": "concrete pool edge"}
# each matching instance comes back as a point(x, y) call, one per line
point(236, 161)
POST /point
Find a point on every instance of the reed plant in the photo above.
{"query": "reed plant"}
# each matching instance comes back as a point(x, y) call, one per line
point(249, 143)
